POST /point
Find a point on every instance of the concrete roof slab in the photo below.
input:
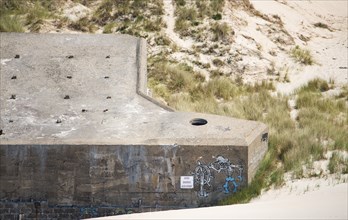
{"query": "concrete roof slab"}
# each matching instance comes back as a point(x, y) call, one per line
point(90, 89)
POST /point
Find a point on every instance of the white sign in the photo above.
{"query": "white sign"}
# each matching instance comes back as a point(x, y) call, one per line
point(186, 182)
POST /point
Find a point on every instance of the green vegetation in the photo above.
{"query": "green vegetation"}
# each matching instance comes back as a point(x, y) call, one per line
point(190, 16)
point(302, 56)
point(130, 17)
point(186, 16)
point(10, 23)
point(221, 31)
point(338, 164)
point(16, 15)
point(292, 144)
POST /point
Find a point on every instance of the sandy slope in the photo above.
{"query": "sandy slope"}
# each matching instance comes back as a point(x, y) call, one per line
point(329, 47)
point(169, 19)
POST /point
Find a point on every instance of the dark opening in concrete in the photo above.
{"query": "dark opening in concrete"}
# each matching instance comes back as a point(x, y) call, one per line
point(264, 137)
point(17, 56)
point(198, 121)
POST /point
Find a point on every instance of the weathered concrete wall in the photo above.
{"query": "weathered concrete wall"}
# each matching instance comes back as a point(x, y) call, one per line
point(118, 176)
point(80, 137)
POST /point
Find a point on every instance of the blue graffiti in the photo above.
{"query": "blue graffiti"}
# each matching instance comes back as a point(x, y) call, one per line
point(203, 175)
point(234, 182)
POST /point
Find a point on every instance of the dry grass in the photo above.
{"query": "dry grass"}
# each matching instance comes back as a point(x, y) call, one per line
point(10, 23)
point(338, 164)
point(301, 55)
point(221, 31)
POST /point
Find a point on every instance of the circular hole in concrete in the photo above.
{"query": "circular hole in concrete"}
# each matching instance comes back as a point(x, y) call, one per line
point(17, 56)
point(84, 110)
point(198, 121)
point(58, 121)
point(105, 110)
point(13, 97)
point(69, 77)
point(1, 132)
point(14, 77)
point(108, 97)
point(106, 77)
point(107, 57)
point(67, 97)
point(10, 121)
point(70, 56)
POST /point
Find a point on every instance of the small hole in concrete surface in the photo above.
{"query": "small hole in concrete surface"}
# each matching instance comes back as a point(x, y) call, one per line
point(264, 137)
point(198, 121)
point(108, 97)
point(17, 56)
point(14, 77)
point(58, 121)
point(106, 77)
point(84, 110)
point(10, 121)
point(107, 57)
point(67, 97)
point(13, 97)
point(1, 132)
point(105, 110)
point(70, 56)
point(69, 77)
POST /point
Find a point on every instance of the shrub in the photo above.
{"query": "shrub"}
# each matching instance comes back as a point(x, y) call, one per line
point(203, 9)
point(108, 28)
point(321, 25)
point(162, 40)
point(220, 31)
point(217, 17)
point(217, 5)
point(180, 2)
point(302, 56)
point(217, 62)
point(338, 163)
point(182, 26)
point(188, 14)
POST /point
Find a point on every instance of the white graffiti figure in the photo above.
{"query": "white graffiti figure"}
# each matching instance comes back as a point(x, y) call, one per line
point(222, 164)
point(202, 177)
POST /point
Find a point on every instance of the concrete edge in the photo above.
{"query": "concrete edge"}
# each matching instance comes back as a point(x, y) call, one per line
point(141, 87)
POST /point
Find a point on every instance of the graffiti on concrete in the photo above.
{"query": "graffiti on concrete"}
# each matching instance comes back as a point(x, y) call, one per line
point(203, 175)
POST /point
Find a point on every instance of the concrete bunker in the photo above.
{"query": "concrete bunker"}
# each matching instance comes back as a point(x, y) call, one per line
point(89, 155)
